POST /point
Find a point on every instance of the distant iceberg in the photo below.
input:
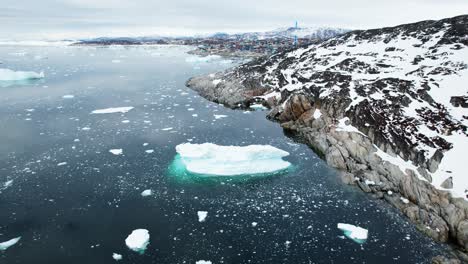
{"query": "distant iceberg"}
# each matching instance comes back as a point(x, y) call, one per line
point(10, 75)
point(214, 160)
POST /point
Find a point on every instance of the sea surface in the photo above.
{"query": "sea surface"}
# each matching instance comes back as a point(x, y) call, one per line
point(73, 201)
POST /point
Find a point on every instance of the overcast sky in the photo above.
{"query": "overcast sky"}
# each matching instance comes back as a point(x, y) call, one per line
point(57, 19)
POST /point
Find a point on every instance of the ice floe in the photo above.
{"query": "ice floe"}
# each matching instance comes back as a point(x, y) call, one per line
point(138, 240)
point(356, 233)
point(10, 75)
point(113, 110)
point(5, 245)
point(68, 96)
point(203, 262)
point(202, 216)
point(212, 159)
point(116, 151)
point(116, 256)
point(147, 193)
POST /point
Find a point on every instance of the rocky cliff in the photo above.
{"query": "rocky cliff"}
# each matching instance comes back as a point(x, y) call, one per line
point(388, 107)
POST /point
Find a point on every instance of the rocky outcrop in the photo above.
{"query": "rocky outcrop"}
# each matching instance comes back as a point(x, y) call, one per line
point(377, 105)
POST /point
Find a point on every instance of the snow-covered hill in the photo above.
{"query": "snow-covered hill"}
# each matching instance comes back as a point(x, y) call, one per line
point(388, 105)
point(309, 33)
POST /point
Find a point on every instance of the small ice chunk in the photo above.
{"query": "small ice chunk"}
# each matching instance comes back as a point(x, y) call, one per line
point(125, 121)
point(167, 129)
point(8, 184)
point(138, 240)
point(203, 262)
point(116, 151)
point(62, 164)
point(212, 159)
point(116, 61)
point(254, 224)
point(149, 151)
point(116, 256)
point(202, 216)
point(9, 75)
point(147, 193)
point(68, 96)
point(404, 200)
point(356, 233)
point(5, 245)
point(220, 116)
point(112, 110)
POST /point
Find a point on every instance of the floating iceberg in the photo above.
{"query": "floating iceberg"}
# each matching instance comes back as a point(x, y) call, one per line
point(138, 240)
point(203, 262)
point(116, 151)
point(5, 245)
point(122, 110)
point(9, 75)
point(356, 233)
point(146, 193)
point(202, 216)
point(212, 159)
point(117, 256)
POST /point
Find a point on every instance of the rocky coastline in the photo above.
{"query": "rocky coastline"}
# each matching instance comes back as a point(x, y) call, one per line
point(342, 133)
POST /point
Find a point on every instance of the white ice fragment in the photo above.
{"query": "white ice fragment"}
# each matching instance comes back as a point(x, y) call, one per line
point(404, 200)
point(203, 262)
point(5, 245)
point(147, 193)
point(202, 216)
point(9, 75)
point(254, 224)
point(356, 233)
point(7, 184)
point(216, 82)
point(68, 96)
point(116, 61)
point(138, 240)
point(113, 110)
point(62, 164)
point(167, 129)
point(116, 256)
point(220, 116)
point(149, 151)
point(389, 192)
point(212, 159)
point(116, 151)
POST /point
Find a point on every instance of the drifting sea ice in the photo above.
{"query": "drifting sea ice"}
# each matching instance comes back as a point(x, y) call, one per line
point(356, 233)
point(138, 240)
point(203, 262)
point(122, 110)
point(146, 193)
point(202, 216)
point(9, 75)
point(117, 256)
point(5, 245)
point(116, 151)
point(212, 159)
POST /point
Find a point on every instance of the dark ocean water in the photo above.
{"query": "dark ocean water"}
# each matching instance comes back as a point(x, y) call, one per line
point(81, 212)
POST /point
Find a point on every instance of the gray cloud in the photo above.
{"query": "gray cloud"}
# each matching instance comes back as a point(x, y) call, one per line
point(32, 19)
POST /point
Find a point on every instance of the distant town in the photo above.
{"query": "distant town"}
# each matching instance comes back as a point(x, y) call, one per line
point(254, 44)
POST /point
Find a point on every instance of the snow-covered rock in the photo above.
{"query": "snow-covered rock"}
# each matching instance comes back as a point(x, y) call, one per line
point(393, 104)
point(138, 240)
point(10, 75)
point(356, 233)
point(212, 159)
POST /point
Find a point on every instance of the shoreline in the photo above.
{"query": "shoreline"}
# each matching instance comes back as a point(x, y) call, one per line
point(434, 212)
